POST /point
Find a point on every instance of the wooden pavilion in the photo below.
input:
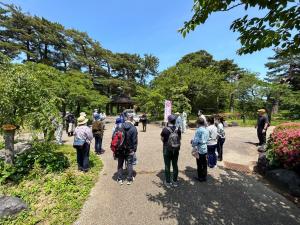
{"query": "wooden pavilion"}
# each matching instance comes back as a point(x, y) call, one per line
point(119, 102)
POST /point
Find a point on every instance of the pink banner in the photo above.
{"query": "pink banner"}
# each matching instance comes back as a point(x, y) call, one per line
point(168, 109)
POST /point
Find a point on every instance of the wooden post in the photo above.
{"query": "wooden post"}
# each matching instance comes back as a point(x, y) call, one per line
point(9, 136)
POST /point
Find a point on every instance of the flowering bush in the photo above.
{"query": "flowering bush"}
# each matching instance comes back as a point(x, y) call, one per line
point(283, 148)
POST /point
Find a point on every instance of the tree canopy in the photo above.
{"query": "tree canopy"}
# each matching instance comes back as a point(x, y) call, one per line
point(279, 25)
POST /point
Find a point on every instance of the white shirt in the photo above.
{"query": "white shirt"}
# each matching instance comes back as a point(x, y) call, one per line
point(221, 131)
point(213, 134)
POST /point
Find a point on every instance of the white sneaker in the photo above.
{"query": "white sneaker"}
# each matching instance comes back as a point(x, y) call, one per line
point(129, 182)
point(168, 185)
point(120, 181)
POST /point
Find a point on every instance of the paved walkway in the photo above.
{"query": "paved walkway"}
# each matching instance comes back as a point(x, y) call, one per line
point(227, 197)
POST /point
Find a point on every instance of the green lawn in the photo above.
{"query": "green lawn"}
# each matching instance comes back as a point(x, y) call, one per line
point(53, 198)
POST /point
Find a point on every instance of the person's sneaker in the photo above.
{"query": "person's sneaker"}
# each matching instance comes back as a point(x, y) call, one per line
point(129, 182)
point(175, 184)
point(120, 181)
point(168, 185)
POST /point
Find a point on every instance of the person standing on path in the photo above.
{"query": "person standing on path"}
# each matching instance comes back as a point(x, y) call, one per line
point(184, 122)
point(212, 142)
point(144, 119)
point(200, 144)
point(262, 126)
point(70, 121)
point(200, 115)
point(179, 123)
point(59, 126)
point(171, 137)
point(98, 130)
point(221, 136)
point(84, 133)
point(95, 113)
point(127, 150)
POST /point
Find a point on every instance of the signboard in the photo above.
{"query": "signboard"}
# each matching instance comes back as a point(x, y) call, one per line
point(168, 110)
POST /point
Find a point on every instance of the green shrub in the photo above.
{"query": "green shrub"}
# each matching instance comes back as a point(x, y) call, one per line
point(41, 154)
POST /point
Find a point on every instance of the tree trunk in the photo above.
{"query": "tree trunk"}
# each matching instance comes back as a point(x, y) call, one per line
point(46, 52)
point(217, 104)
point(9, 137)
point(78, 109)
point(275, 106)
point(231, 103)
point(28, 50)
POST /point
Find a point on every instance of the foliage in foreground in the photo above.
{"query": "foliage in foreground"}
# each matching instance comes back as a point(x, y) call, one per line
point(283, 148)
point(41, 154)
point(53, 198)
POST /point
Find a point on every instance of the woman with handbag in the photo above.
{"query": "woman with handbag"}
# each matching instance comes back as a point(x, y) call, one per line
point(82, 139)
point(199, 144)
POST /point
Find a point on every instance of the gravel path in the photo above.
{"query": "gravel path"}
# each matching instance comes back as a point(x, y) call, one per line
point(227, 197)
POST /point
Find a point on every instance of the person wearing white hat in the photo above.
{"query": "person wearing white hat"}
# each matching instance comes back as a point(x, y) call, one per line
point(84, 134)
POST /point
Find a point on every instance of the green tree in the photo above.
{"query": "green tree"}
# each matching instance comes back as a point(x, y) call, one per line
point(284, 69)
point(23, 98)
point(279, 26)
point(201, 59)
point(150, 101)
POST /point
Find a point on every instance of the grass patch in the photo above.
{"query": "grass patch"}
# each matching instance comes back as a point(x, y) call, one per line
point(53, 198)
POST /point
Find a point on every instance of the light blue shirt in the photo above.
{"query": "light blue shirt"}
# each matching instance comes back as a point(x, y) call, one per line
point(200, 140)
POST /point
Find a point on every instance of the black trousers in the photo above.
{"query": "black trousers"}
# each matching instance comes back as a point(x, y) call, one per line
point(202, 166)
point(144, 126)
point(129, 160)
point(261, 136)
point(83, 154)
point(220, 148)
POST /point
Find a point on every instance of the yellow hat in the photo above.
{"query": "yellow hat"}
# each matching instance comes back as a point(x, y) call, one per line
point(261, 110)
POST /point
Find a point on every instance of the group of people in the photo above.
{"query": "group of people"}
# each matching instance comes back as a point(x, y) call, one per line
point(207, 146)
point(181, 121)
point(207, 143)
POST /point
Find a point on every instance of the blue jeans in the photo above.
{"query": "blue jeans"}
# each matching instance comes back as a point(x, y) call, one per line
point(211, 155)
point(98, 144)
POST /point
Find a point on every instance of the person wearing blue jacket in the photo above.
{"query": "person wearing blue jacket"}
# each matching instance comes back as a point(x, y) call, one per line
point(200, 144)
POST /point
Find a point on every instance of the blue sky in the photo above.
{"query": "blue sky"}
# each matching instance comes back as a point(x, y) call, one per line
point(140, 26)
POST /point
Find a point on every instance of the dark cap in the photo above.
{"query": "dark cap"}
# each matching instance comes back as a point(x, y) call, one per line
point(171, 118)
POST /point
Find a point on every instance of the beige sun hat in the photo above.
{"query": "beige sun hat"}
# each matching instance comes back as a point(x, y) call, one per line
point(82, 120)
point(177, 113)
point(83, 114)
point(261, 110)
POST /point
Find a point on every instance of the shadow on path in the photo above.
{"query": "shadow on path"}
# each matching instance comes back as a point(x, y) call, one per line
point(251, 143)
point(232, 198)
